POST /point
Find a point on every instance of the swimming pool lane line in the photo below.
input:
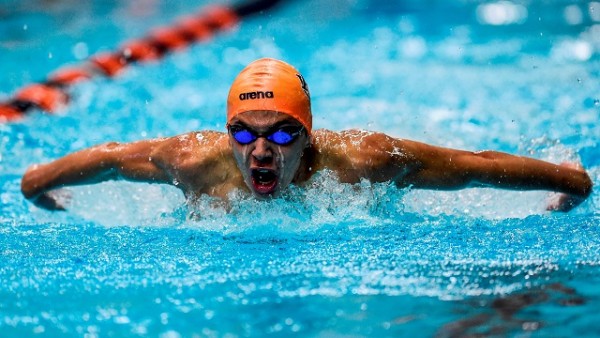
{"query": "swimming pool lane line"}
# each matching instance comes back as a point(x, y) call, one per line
point(52, 94)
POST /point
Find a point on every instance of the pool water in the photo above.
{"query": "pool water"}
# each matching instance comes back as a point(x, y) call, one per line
point(368, 260)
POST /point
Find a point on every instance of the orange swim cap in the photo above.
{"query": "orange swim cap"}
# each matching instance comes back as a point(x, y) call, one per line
point(269, 84)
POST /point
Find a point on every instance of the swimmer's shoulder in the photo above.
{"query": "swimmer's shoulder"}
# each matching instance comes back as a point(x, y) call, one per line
point(192, 147)
point(358, 148)
point(351, 140)
point(201, 161)
point(343, 149)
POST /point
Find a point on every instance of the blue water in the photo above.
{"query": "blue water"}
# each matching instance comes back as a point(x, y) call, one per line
point(331, 260)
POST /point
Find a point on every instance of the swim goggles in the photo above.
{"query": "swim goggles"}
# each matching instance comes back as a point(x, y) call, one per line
point(281, 136)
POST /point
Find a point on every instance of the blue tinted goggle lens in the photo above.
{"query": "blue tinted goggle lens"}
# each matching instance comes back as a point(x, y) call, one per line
point(243, 136)
point(280, 137)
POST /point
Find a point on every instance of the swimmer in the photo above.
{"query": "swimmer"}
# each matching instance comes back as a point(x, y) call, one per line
point(270, 143)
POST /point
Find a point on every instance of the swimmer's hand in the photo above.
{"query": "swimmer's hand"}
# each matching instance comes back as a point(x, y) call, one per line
point(565, 202)
point(54, 200)
point(35, 187)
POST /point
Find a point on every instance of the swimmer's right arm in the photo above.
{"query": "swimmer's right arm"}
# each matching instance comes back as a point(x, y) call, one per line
point(110, 161)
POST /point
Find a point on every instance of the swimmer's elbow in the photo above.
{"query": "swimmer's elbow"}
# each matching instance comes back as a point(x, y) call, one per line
point(139, 162)
point(109, 149)
point(113, 156)
point(107, 158)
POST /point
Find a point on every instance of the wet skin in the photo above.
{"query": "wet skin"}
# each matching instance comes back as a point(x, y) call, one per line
point(213, 163)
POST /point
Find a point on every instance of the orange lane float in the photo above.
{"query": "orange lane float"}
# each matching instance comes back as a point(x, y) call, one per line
point(51, 94)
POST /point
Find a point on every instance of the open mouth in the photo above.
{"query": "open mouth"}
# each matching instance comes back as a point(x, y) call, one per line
point(264, 181)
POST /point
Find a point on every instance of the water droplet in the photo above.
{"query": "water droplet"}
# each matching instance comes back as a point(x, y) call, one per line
point(80, 50)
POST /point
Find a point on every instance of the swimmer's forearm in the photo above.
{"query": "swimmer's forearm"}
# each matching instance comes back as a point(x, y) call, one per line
point(522, 173)
point(84, 167)
point(443, 168)
point(93, 165)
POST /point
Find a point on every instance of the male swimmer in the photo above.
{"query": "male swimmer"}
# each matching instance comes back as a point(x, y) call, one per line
point(270, 144)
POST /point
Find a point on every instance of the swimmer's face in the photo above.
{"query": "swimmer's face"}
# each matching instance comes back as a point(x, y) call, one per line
point(268, 148)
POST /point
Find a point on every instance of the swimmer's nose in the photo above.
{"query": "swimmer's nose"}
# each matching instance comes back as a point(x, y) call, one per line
point(262, 150)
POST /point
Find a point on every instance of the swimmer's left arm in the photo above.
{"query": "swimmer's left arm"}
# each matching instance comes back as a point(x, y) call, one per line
point(443, 168)
point(380, 158)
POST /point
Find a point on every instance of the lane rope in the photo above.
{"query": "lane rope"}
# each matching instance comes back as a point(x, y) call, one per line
point(52, 94)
